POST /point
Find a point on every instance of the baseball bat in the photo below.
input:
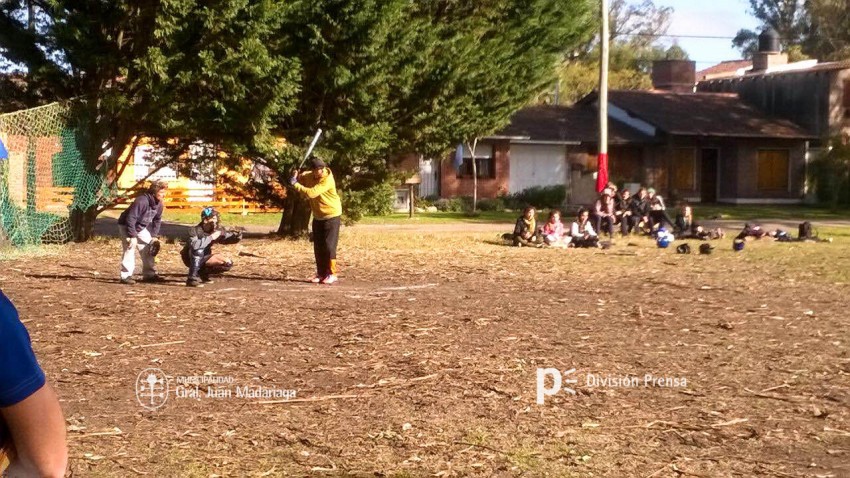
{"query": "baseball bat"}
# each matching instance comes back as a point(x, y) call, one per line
point(310, 149)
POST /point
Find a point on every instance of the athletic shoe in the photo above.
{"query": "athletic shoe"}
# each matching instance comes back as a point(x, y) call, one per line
point(315, 280)
point(206, 280)
point(330, 279)
point(153, 279)
point(128, 281)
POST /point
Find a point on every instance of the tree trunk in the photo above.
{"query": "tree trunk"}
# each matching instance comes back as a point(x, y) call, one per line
point(295, 220)
point(82, 223)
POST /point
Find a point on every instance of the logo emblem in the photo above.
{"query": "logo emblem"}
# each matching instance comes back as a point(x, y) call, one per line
point(152, 388)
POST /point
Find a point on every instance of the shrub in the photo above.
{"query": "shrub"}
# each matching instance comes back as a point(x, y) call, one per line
point(497, 204)
point(449, 204)
point(377, 200)
point(541, 197)
point(829, 174)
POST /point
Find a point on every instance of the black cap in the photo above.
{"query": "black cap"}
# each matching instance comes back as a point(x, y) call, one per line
point(705, 248)
point(317, 163)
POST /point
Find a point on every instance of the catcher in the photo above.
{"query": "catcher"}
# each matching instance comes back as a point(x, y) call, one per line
point(197, 253)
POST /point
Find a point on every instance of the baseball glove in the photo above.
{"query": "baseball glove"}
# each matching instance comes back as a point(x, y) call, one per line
point(155, 247)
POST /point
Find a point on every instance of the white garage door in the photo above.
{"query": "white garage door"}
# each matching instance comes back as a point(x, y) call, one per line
point(537, 165)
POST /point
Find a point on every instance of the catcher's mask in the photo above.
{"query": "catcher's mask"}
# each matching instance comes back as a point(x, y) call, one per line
point(683, 249)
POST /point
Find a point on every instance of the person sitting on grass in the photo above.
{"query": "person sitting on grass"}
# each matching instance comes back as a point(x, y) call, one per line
point(603, 213)
point(623, 212)
point(658, 211)
point(553, 231)
point(684, 219)
point(582, 232)
point(639, 219)
point(197, 254)
point(525, 231)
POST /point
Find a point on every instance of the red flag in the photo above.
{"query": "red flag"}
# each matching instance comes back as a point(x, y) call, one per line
point(602, 175)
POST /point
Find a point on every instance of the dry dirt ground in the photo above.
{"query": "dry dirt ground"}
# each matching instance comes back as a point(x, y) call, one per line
point(423, 360)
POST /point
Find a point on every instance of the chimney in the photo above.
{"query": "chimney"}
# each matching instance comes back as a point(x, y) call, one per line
point(678, 76)
point(769, 53)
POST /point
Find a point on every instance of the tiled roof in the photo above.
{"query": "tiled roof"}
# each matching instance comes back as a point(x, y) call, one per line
point(703, 114)
point(577, 123)
point(723, 69)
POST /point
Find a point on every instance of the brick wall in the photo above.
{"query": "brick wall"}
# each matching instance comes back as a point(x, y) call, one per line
point(452, 186)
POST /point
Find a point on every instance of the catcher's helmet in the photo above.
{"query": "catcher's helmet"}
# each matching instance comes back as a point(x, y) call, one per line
point(738, 245)
point(683, 249)
point(209, 212)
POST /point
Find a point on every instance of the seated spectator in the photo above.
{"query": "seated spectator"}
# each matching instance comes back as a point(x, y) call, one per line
point(639, 207)
point(684, 219)
point(553, 231)
point(525, 231)
point(658, 211)
point(603, 213)
point(623, 211)
point(582, 232)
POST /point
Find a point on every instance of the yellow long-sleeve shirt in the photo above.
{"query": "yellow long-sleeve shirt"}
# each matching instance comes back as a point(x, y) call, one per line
point(324, 201)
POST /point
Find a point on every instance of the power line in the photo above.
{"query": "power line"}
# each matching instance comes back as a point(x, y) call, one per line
point(654, 35)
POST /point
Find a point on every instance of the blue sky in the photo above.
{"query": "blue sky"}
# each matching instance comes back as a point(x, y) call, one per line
point(709, 18)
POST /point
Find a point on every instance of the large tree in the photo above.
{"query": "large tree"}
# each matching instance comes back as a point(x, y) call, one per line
point(637, 29)
point(173, 71)
point(788, 17)
point(387, 77)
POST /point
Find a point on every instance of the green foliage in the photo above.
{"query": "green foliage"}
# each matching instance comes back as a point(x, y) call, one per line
point(634, 46)
point(807, 28)
point(376, 200)
point(175, 72)
point(830, 175)
point(495, 204)
point(450, 204)
point(541, 197)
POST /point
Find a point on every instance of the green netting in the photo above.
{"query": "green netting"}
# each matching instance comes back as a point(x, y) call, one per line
point(44, 178)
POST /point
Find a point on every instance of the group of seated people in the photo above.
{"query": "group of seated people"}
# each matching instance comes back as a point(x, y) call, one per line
point(645, 212)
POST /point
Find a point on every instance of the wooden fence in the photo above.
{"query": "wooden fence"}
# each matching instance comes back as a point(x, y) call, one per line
point(59, 199)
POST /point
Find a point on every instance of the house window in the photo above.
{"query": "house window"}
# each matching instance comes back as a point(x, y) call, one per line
point(484, 162)
point(772, 169)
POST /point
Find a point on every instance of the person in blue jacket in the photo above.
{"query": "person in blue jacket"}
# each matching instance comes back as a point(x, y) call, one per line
point(197, 254)
point(138, 227)
point(32, 427)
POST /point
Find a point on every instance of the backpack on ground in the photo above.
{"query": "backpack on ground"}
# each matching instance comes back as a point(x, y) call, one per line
point(805, 231)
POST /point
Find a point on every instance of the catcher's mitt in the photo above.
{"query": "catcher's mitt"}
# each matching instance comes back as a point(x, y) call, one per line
point(155, 247)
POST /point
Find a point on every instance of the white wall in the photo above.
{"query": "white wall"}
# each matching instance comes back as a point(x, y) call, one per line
point(536, 165)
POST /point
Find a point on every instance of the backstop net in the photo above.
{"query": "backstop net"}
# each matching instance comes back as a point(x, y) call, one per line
point(42, 176)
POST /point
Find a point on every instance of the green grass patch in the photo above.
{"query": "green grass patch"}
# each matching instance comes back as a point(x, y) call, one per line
point(767, 212)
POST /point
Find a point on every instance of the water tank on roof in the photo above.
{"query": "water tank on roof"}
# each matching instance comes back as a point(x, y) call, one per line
point(769, 41)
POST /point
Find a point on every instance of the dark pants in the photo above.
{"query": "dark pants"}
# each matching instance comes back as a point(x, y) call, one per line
point(628, 224)
point(604, 224)
point(198, 267)
point(592, 241)
point(659, 218)
point(325, 239)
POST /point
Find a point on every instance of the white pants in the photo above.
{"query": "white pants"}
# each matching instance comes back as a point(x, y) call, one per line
point(128, 259)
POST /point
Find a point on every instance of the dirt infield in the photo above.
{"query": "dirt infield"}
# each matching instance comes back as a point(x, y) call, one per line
point(423, 360)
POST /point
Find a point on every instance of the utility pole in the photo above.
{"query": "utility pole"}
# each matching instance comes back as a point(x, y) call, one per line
point(602, 165)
